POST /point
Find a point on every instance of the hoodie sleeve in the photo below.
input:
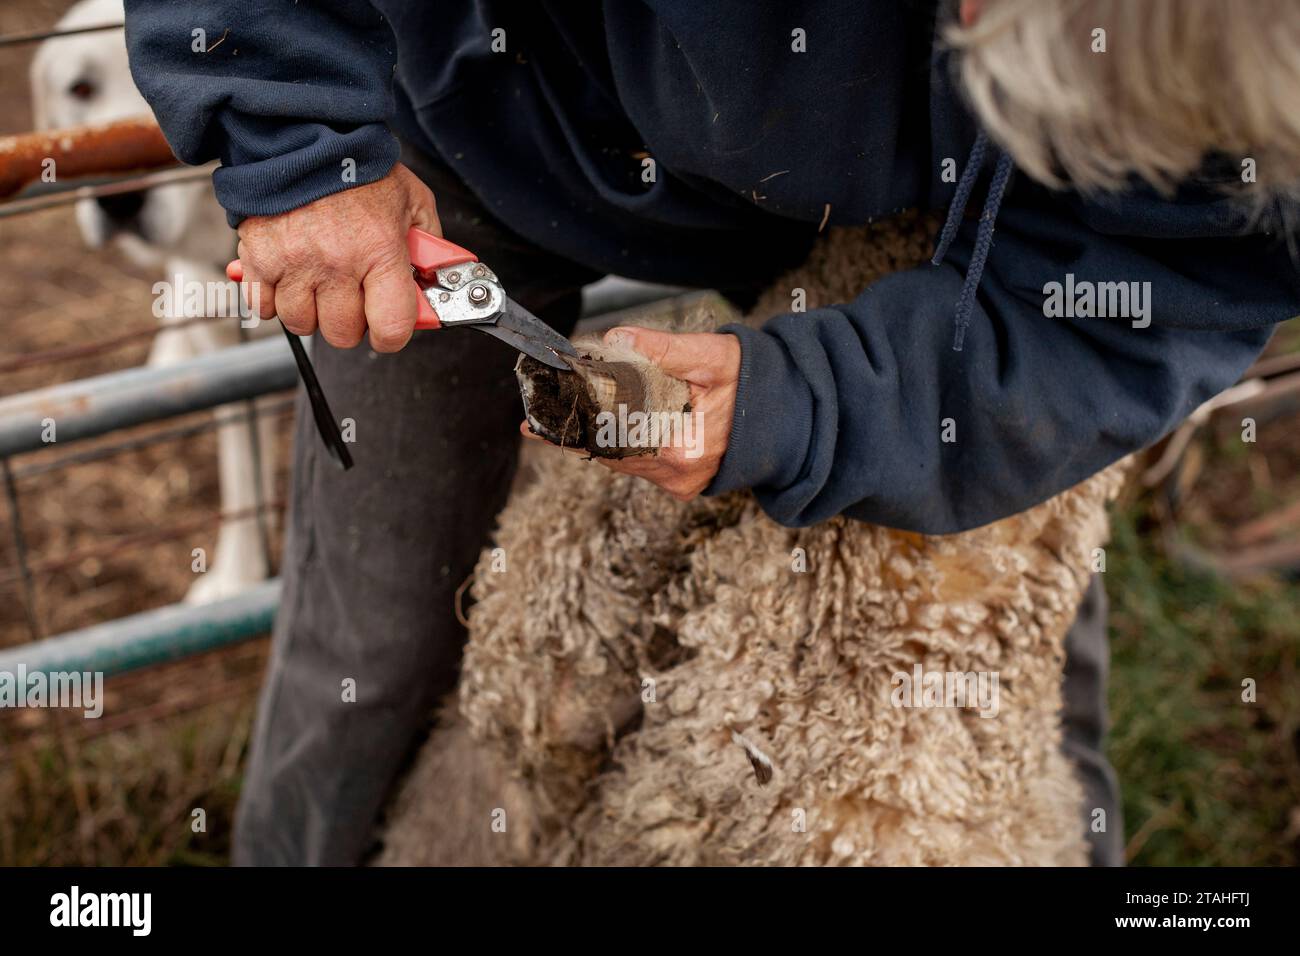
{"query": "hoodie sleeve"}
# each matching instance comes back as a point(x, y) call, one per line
point(865, 409)
point(292, 97)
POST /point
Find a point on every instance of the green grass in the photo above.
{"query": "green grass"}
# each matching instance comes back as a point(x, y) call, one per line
point(1207, 779)
point(126, 798)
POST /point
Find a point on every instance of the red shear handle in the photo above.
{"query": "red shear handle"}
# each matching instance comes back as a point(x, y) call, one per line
point(428, 254)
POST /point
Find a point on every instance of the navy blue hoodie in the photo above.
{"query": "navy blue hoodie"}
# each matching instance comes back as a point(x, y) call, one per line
point(941, 398)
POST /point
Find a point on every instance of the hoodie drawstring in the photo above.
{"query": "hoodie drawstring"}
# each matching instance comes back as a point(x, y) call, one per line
point(984, 241)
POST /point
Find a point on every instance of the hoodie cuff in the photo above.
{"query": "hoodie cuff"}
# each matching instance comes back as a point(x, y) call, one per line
point(772, 425)
point(313, 170)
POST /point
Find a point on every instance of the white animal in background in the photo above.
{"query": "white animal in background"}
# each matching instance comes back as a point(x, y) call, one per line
point(179, 229)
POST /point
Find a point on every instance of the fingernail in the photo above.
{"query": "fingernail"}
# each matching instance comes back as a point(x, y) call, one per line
point(618, 338)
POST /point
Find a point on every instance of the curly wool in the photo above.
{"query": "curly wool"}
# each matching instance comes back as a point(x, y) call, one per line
point(657, 682)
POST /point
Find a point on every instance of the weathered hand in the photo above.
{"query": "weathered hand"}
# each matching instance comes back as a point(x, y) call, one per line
point(341, 262)
point(710, 364)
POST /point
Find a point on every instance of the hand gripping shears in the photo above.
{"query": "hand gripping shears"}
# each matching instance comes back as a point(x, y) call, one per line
point(454, 289)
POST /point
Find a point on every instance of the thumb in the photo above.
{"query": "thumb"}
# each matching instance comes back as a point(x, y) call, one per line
point(425, 218)
point(685, 355)
point(422, 205)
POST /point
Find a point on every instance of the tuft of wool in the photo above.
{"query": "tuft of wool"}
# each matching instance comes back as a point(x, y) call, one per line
point(658, 682)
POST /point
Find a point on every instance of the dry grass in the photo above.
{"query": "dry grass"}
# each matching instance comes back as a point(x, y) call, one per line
point(123, 790)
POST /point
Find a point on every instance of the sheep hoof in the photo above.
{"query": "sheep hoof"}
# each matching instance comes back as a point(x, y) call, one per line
point(607, 405)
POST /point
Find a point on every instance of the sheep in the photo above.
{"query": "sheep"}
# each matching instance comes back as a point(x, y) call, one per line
point(655, 682)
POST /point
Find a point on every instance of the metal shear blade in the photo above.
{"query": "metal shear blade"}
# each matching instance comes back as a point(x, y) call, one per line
point(525, 332)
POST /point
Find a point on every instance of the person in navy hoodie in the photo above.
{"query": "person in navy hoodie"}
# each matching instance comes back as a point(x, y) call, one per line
point(1099, 147)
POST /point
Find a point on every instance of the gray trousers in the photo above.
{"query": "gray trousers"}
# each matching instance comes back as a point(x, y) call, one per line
point(1087, 665)
point(366, 640)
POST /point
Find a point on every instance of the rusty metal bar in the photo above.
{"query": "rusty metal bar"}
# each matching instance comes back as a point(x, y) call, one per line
point(125, 146)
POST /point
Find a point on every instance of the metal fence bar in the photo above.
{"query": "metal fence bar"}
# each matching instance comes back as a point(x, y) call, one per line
point(33, 200)
point(151, 637)
point(20, 551)
point(69, 353)
point(36, 36)
point(161, 436)
point(94, 406)
point(616, 295)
